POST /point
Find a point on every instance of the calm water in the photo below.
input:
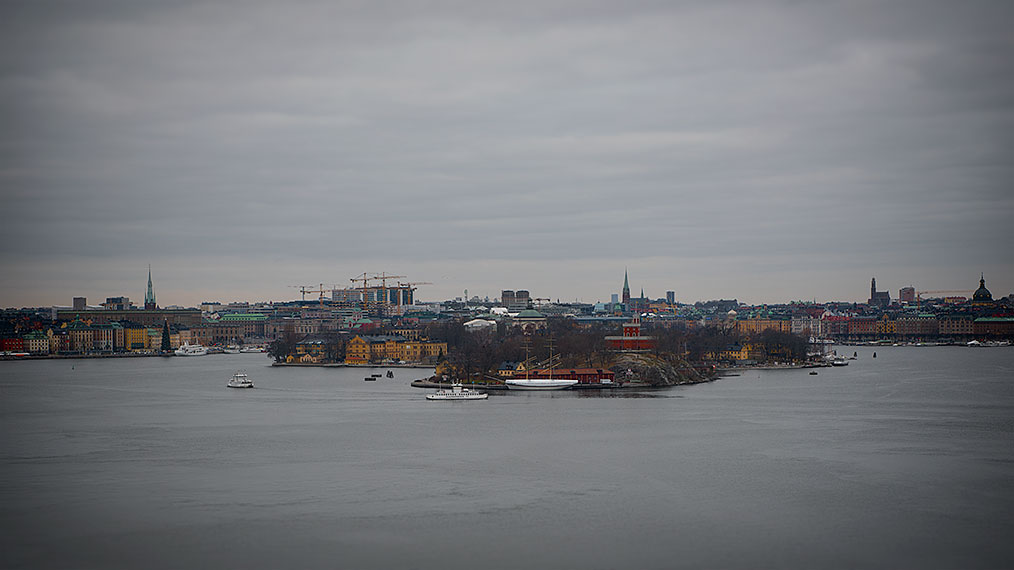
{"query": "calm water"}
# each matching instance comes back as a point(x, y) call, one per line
point(903, 461)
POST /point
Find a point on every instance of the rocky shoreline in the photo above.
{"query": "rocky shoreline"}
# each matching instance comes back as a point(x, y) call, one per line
point(638, 371)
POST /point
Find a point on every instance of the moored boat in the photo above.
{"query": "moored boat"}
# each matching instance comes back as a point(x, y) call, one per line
point(191, 350)
point(539, 383)
point(457, 392)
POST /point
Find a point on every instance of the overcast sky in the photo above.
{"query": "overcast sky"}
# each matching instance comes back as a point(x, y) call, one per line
point(767, 151)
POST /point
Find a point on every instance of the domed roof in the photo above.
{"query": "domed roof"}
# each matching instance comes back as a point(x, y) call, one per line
point(529, 314)
point(982, 294)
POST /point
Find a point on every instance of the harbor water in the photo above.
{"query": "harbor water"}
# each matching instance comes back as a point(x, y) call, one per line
point(905, 460)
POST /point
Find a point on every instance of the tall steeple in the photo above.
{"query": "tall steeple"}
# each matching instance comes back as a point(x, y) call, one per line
point(149, 296)
point(626, 288)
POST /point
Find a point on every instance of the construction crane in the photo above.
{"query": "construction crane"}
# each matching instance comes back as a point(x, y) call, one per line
point(411, 287)
point(365, 278)
point(382, 300)
point(304, 289)
point(383, 277)
point(919, 294)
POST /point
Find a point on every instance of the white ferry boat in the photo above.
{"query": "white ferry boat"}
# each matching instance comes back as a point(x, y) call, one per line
point(457, 392)
point(191, 350)
point(240, 380)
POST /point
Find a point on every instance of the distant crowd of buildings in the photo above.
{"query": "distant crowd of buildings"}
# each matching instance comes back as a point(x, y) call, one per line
point(375, 331)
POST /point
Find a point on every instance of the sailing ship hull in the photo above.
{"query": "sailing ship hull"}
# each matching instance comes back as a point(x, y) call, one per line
point(539, 384)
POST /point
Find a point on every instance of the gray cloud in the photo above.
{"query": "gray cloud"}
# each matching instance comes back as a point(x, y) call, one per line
point(768, 151)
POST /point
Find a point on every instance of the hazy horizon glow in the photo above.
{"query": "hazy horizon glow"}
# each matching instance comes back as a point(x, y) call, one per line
point(765, 151)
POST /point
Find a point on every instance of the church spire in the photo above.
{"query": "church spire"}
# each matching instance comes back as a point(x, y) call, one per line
point(149, 296)
point(626, 288)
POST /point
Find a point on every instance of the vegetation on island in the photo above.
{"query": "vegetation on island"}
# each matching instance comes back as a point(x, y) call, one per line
point(678, 356)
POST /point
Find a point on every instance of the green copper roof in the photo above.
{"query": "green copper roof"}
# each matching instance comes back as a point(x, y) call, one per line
point(244, 317)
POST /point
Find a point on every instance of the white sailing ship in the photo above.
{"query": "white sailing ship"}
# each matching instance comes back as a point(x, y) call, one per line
point(550, 383)
point(539, 383)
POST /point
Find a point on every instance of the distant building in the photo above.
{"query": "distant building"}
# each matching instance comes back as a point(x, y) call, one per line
point(116, 304)
point(878, 298)
point(515, 301)
point(522, 299)
point(530, 320)
point(626, 289)
point(670, 297)
point(149, 295)
point(982, 297)
point(906, 294)
point(80, 303)
point(632, 339)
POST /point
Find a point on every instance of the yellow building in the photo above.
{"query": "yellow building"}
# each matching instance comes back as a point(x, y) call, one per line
point(357, 351)
point(752, 326)
point(886, 326)
point(315, 349)
point(136, 337)
point(409, 334)
point(733, 353)
point(363, 349)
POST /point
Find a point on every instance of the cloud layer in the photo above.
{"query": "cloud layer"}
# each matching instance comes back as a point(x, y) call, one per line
point(764, 150)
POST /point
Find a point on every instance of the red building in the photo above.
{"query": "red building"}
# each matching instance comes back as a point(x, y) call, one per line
point(12, 344)
point(632, 338)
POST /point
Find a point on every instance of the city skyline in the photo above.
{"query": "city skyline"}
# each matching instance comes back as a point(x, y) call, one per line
point(300, 292)
point(768, 152)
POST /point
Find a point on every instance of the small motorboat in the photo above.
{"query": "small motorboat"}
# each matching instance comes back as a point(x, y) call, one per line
point(240, 380)
point(813, 373)
point(370, 379)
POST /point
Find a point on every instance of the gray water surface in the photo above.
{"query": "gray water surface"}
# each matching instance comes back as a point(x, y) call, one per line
point(903, 461)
